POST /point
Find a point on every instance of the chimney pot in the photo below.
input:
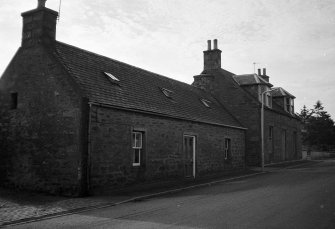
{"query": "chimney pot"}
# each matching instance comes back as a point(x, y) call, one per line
point(264, 71)
point(215, 44)
point(209, 45)
point(259, 72)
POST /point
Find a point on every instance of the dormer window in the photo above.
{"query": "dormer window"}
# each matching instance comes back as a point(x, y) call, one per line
point(289, 105)
point(206, 103)
point(268, 100)
point(287, 102)
point(112, 77)
point(167, 92)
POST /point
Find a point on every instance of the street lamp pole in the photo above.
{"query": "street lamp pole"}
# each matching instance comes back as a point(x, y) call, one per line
point(262, 125)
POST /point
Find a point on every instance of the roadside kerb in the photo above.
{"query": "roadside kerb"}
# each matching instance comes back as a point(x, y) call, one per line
point(272, 169)
point(285, 162)
point(100, 206)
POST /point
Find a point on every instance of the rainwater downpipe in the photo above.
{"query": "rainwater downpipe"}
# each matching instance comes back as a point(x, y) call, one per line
point(89, 148)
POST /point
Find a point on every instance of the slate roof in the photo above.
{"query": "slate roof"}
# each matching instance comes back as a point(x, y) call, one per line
point(250, 79)
point(281, 92)
point(138, 89)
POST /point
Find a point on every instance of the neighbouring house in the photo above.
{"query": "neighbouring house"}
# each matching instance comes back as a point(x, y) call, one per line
point(74, 122)
point(242, 95)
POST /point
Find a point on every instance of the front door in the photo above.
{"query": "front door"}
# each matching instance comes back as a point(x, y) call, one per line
point(189, 153)
point(283, 144)
point(295, 151)
point(270, 147)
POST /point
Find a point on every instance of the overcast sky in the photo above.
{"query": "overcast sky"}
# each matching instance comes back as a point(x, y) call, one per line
point(293, 39)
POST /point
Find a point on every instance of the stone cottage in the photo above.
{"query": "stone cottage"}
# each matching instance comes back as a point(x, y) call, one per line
point(74, 122)
point(243, 96)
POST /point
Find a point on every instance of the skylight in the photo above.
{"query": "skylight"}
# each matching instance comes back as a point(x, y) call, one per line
point(206, 103)
point(167, 92)
point(111, 76)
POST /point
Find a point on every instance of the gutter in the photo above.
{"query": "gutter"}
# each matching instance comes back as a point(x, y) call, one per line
point(164, 115)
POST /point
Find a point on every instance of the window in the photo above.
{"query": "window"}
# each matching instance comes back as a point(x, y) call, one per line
point(111, 77)
point(292, 106)
point(206, 103)
point(270, 132)
point(268, 100)
point(13, 103)
point(289, 105)
point(137, 142)
point(227, 149)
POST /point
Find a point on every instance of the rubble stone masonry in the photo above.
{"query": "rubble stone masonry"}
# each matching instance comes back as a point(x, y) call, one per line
point(111, 151)
point(40, 138)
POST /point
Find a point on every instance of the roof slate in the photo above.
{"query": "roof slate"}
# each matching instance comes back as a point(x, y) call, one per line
point(281, 92)
point(139, 89)
point(250, 79)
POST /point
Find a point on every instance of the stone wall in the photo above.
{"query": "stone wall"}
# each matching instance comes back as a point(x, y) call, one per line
point(239, 103)
point(111, 153)
point(286, 127)
point(40, 139)
point(244, 105)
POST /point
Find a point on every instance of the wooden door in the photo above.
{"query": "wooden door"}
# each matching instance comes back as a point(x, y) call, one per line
point(189, 154)
point(295, 151)
point(283, 144)
point(270, 147)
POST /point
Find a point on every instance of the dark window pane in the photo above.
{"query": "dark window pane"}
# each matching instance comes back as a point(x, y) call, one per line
point(137, 156)
point(13, 100)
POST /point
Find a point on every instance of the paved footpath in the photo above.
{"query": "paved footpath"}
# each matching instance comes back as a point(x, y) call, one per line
point(21, 206)
point(16, 206)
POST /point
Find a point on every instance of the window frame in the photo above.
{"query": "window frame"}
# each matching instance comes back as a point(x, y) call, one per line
point(269, 100)
point(288, 104)
point(291, 105)
point(227, 149)
point(137, 148)
point(112, 77)
point(168, 93)
point(206, 103)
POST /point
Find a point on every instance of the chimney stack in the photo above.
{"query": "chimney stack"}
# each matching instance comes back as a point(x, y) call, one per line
point(264, 76)
point(41, 3)
point(212, 58)
point(39, 26)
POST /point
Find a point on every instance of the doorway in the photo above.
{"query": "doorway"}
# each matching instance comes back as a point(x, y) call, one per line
point(189, 154)
point(283, 144)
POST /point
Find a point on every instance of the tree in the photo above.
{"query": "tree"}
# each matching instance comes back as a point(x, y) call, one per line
point(305, 114)
point(319, 129)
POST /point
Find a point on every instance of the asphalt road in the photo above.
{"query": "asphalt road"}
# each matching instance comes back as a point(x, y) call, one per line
point(302, 197)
